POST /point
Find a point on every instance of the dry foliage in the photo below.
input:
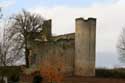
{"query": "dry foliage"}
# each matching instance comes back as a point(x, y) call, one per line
point(51, 73)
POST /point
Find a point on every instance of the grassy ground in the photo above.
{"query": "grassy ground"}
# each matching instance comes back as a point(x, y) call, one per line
point(92, 80)
point(116, 75)
point(102, 76)
point(110, 73)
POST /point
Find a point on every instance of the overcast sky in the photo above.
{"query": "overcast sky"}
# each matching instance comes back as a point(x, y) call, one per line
point(110, 16)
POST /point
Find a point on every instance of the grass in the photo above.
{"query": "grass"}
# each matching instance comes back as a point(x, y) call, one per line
point(110, 73)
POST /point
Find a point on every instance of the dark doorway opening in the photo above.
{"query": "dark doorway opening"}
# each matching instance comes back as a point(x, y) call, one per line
point(37, 79)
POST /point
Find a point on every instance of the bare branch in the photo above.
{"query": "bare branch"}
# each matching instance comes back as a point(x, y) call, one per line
point(121, 46)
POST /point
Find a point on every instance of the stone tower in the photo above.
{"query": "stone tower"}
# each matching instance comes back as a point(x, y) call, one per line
point(85, 37)
point(47, 29)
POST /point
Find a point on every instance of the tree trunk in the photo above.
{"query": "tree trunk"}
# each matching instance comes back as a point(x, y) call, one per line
point(27, 57)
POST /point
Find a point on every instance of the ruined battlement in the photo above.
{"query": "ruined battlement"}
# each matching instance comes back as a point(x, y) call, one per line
point(75, 50)
point(85, 20)
point(64, 37)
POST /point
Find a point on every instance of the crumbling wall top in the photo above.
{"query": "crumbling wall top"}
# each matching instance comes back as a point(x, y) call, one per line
point(64, 37)
point(86, 20)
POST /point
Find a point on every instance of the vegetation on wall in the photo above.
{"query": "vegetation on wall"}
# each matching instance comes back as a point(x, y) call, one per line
point(51, 73)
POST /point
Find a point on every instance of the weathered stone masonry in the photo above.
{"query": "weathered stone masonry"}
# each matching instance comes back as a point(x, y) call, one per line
point(85, 47)
point(76, 50)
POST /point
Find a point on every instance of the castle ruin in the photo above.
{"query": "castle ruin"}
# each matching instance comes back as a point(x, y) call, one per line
point(76, 51)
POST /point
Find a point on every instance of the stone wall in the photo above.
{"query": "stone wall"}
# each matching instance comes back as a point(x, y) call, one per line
point(59, 52)
point(75, 51)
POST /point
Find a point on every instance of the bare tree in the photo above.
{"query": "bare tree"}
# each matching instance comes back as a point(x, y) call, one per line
point(5, 49)
point(9, 48)
point(25, 26)
point(1, 14)
point(121, 46)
